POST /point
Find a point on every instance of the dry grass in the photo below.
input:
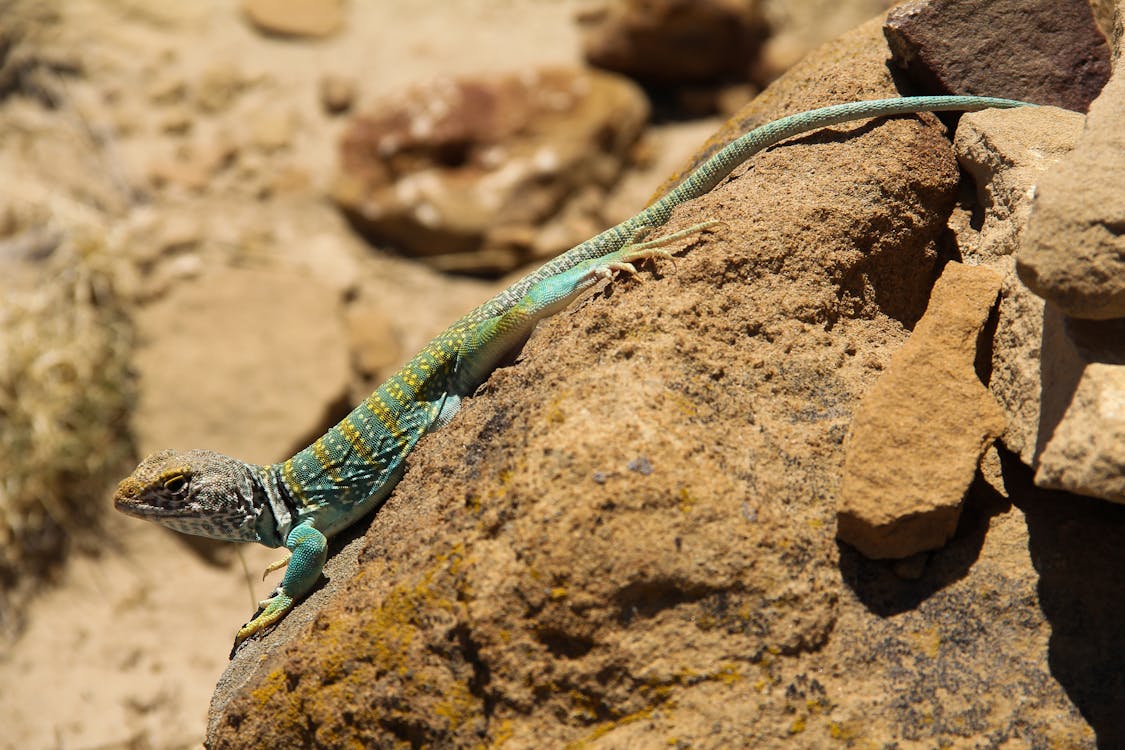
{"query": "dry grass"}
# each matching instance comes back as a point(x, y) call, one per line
point(64, 345)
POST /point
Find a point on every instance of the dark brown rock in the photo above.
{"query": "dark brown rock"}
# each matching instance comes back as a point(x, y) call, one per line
point(673, 41)
point(1042, 51)
point(466, 174)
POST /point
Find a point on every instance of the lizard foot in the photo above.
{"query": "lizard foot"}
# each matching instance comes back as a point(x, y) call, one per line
point(270, 611)
point(622, 261)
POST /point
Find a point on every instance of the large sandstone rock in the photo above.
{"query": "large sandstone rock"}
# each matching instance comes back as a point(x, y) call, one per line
point(485, 174)
point(627, 540)
point(919, 433)
point(1043, 51)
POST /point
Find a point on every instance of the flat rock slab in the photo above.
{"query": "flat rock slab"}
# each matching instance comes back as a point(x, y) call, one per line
point(1042, 51)
point(295, 18)
point(919, 433)
point(277, 366)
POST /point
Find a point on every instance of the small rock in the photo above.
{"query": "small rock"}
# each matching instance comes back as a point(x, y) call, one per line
point(919, 433)
point(218, 87)
point(193, 165)
point(296, 18)
point(178, 171)
point(437, 171)
point(1074, 249)
point(273, 129)
point(673, 41)
point(1043, 51)
point(167, 89)
point(1082, 429)
point(337, 93)
point(176, 120)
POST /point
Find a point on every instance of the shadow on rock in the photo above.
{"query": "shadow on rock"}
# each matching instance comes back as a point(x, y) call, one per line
point(889, 587)
point(1077, 546)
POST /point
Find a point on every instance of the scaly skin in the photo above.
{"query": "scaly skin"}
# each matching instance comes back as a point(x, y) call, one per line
point(349, 471)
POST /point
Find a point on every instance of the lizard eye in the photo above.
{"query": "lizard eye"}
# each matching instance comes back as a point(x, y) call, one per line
point(176, 484)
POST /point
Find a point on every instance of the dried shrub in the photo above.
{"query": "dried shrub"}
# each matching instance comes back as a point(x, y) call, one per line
point(64, 398)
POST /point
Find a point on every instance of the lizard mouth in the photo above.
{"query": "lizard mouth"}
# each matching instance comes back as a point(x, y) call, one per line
point(131, 506)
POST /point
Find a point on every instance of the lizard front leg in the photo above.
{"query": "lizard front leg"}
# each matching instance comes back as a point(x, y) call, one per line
point(308, 548)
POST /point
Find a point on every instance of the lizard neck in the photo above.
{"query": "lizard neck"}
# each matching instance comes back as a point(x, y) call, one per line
point(277, 508)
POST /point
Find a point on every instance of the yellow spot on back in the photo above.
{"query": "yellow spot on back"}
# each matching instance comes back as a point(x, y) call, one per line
point(291, 481)
point(324, 458)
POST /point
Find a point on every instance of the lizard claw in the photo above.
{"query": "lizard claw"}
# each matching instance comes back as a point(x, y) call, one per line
point(276, 565)
point(270, 611)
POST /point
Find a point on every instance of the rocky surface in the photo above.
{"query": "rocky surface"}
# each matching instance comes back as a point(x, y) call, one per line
point(1042, 51)
point(626, 538)
point(483, 175)
point(917, 436)
point(1059, 379)
point(1074, 252)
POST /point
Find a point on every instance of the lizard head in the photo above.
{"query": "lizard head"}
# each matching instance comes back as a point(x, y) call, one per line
point(197, 492)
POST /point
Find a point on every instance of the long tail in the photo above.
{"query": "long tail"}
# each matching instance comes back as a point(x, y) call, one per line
point(711, 172)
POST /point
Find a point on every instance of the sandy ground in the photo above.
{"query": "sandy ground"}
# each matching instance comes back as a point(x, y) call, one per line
point(123, 651)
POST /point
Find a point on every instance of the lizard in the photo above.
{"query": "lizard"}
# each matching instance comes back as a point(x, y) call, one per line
point(349, 471)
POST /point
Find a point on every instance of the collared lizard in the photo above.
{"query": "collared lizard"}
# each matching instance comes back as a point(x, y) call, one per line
point(351, 469)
